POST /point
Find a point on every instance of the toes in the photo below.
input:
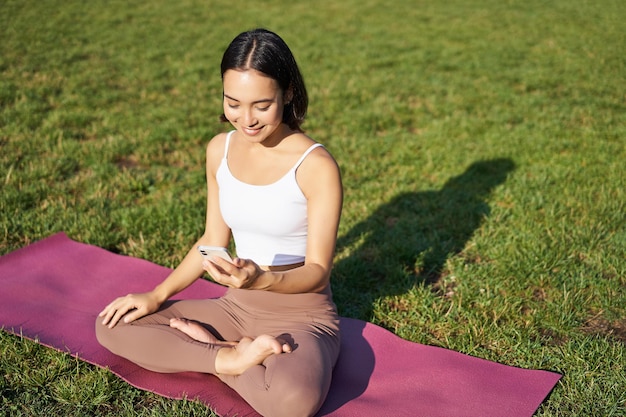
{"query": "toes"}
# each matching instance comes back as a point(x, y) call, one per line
point(177, 323)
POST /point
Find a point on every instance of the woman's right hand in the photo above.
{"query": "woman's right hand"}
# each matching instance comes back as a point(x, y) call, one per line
point(139, 305)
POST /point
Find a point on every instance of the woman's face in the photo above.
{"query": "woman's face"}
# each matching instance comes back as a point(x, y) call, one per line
point(253, 103)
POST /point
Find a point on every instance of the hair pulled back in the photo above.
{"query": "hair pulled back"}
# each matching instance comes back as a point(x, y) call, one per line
point(266, 52)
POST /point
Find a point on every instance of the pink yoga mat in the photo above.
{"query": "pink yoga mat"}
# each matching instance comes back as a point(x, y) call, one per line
point(52, 290)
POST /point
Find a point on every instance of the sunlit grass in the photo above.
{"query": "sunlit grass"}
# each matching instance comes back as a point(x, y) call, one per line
point(481, 145)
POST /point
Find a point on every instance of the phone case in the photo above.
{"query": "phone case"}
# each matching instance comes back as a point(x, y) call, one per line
point(210, 251)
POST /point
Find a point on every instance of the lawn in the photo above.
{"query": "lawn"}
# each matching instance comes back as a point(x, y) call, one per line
point(482, 146)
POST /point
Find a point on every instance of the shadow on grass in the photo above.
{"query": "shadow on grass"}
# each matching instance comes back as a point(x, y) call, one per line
point(407, 241)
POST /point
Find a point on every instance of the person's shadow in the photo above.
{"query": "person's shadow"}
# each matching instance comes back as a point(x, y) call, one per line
point(403, 243)
point(408, 240)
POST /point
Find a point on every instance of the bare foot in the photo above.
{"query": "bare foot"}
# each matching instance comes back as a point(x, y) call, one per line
point(248, 353)
point(197, 332)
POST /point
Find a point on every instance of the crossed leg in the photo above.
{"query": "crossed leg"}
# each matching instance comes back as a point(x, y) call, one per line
point(236, 357)
point(275, 378)
point(186, 345)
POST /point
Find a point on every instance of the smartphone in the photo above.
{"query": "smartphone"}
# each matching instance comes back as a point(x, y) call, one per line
point(209, 252)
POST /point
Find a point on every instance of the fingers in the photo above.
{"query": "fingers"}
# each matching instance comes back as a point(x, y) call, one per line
point(285, 344)
point(107, 314)
point(116, 310)
point(222, 265)
point(239, 263)
point(113, 317)
point(237, 274)
point(221, 271)
point(132, 316)
point(116, 318)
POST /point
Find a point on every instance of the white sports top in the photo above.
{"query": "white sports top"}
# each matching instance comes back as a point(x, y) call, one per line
point(268, 222)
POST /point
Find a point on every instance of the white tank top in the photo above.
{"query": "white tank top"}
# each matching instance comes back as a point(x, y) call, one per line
point(268, 222)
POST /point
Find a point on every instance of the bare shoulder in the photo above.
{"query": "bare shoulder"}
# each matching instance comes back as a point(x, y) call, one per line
point(216, 144)
point(215, 149)
point(318, 168)
point(302, 143)
point(321, 158)
point(319, 155)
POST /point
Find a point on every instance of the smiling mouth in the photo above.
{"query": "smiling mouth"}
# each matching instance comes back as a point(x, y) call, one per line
point(251, 131)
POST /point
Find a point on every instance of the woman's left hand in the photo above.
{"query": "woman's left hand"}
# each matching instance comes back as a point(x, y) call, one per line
point(241, 273)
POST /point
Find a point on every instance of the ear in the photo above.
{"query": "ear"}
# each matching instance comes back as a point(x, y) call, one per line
point(288, 96)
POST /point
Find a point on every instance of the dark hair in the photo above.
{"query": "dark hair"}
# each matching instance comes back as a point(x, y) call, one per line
point(266, 52)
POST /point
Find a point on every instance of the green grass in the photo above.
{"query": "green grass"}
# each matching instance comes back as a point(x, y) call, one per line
point(482, 145)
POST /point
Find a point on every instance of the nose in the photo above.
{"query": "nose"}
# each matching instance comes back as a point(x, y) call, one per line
point(248, 118)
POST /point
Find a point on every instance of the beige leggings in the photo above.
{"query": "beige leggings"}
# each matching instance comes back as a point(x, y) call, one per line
point(293, 384)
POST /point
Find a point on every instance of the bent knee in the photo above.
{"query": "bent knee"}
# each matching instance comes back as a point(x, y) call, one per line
point(297, 401)
point(105, 336)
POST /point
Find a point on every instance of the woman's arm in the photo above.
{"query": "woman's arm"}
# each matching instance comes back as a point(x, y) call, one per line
point(319, 178)
point(190, 269)
point(216, 232)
